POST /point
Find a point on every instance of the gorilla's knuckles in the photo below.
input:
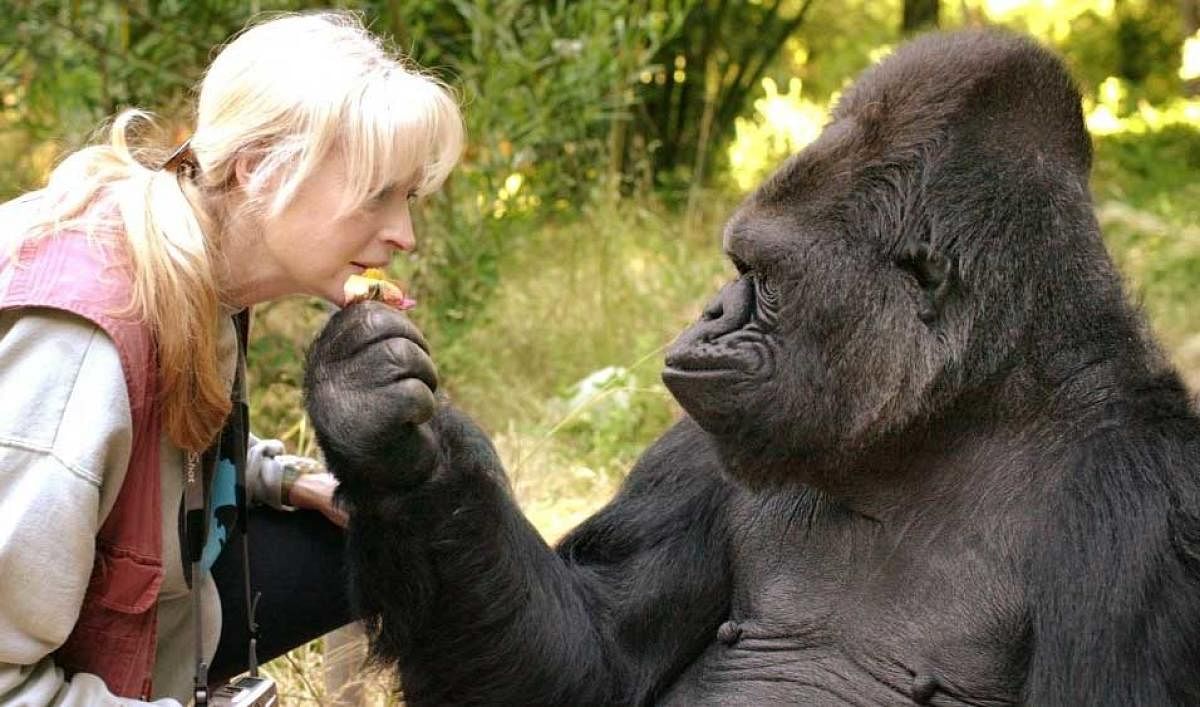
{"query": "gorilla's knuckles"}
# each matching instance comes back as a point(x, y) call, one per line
point(408, 360)
point(415, 400)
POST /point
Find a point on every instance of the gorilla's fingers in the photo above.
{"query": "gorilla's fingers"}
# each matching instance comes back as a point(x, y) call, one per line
point(411, 362)
point(361, 325)
point(382, 321)
point(417, 400)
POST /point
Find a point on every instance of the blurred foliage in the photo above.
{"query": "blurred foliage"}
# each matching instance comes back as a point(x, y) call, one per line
point(67, 66)
point(1147, 186)
point(702, 78)
point(543, 84)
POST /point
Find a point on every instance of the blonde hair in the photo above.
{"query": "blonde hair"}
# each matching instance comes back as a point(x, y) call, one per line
point(287, 93)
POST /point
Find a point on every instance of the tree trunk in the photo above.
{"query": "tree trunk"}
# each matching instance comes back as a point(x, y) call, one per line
point(1189, 15)
point(711, 86)
point(616, 140)
point(919, 15)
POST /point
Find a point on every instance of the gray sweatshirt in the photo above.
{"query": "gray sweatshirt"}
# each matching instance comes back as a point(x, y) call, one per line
point(65, 440)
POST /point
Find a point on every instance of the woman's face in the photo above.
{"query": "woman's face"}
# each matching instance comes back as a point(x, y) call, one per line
point(309, 249)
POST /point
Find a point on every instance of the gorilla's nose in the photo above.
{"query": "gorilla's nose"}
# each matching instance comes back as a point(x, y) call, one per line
point(729, 311)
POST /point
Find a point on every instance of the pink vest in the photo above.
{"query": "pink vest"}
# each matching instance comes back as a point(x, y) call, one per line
point(114, 636)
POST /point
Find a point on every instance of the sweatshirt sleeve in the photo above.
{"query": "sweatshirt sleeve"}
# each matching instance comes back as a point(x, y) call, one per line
point(65, 439)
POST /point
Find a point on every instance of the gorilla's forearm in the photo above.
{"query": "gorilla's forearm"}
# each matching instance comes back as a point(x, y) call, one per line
point(463, 595)
point(474, 607)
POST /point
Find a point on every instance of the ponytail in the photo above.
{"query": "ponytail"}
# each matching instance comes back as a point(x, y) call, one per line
point(174, 282)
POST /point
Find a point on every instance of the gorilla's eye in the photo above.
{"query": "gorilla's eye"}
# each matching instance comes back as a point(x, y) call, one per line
point(768, 291)
point(925, 265)
point(741, 266)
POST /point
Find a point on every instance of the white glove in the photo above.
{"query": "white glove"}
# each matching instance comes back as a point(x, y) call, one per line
point(265, 472)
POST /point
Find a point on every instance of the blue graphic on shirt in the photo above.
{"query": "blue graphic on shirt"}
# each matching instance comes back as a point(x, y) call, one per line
point(222, 512)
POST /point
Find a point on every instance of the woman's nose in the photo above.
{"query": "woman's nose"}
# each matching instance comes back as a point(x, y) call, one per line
point(399, 233)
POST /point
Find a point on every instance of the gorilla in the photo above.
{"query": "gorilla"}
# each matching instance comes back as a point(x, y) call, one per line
point(930, 454)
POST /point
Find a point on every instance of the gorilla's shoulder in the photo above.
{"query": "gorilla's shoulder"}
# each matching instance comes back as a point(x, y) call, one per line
point(684, 449)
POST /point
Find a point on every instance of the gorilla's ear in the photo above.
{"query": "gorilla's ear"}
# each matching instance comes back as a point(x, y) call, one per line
point(932, 271)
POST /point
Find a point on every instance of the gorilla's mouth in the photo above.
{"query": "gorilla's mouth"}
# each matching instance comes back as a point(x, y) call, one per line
point(705, 377)
point(733, 354)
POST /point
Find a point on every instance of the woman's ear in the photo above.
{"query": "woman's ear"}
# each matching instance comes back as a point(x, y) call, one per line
point(244, 166)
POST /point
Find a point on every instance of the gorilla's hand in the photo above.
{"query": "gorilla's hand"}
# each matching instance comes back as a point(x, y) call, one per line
point(369, 389)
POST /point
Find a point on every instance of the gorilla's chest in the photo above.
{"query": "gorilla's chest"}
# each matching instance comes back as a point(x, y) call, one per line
point(829, 607)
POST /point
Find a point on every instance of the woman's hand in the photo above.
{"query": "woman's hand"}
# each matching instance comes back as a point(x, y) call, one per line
point(315, 492)
point(287, 480)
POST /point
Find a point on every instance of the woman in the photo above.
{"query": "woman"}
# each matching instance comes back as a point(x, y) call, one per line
point(122, 286)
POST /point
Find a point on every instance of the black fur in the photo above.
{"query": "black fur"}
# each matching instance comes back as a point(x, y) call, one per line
point(931, 455)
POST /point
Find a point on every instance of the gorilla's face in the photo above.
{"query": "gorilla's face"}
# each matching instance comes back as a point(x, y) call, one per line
point(829, 337)
point(934, 239)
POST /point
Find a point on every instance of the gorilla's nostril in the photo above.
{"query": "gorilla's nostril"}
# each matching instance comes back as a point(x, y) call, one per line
point(713, 311)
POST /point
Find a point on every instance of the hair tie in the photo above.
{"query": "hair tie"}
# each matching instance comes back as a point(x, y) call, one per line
point(182, 161)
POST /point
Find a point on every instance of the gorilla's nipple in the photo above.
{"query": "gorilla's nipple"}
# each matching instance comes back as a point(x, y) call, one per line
point(729, 633)
point(924, 687)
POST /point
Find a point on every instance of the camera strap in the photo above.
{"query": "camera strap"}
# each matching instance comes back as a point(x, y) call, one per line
point(229, 449)
point(195, 529)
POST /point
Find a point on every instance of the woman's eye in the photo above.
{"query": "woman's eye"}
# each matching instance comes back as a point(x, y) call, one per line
point(383, 195)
